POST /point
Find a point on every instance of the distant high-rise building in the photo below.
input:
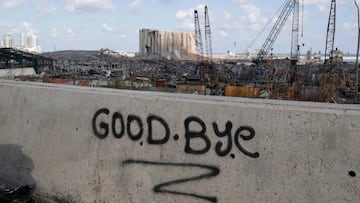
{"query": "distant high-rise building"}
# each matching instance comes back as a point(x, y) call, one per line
point(8, 40)
point(25, 42)
point(22, 41)
point(32, 41)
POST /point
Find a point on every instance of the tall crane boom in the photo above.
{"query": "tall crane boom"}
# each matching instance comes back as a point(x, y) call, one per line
point(198, 38)
point(274, 33)
point(208, 34)
point(330, 35)
point(295, 33)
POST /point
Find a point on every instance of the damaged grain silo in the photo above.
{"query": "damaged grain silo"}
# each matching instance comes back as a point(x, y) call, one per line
point(179, 45)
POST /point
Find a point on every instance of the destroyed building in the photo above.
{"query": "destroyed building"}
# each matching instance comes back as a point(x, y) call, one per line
point(166, 43)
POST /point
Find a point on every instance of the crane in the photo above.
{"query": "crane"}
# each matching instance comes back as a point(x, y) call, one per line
point(247, 49)
point(326, 90)
point(198, 38)
point(295, 33)
point(295, 48)
point(279, 24)
point(208, 34)
point(330, 35)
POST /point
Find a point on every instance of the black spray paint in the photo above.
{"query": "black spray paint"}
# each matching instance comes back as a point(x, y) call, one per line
point(212, 171)
point(195, 129)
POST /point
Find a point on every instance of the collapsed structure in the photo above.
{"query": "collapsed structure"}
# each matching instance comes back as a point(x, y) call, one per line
point(166, 43)
point(175, 62)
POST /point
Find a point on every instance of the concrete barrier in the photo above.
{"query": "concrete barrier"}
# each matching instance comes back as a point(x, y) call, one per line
point(100, 145)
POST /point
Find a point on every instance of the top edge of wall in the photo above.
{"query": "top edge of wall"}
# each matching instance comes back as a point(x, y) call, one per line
point(312, 106)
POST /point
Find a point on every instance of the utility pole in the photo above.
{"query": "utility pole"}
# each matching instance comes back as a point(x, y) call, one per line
point(357, 54)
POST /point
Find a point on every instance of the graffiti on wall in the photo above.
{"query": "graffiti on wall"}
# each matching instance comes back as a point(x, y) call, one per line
point(219, 139)
point(195, 129)
point(211, 171)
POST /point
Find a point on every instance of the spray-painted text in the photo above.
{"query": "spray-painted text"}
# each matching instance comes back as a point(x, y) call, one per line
point(195, 130)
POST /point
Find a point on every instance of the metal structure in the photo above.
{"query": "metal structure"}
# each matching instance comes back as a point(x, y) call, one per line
point(357, 54)
point(295, 33)
point(13, 58)
point(198, 38)
point(295, 47)
point(274, 33)
point(330, 35)
point(208, 34)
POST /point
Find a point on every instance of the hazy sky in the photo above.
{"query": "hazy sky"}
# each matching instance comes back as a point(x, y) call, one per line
point(95, 24)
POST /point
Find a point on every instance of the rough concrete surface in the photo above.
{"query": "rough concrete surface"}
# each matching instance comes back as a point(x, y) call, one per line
point(166, 43)
point(101, 145)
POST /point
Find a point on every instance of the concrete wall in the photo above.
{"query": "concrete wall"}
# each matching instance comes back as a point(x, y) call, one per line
point(100, 145)
point(17, 72)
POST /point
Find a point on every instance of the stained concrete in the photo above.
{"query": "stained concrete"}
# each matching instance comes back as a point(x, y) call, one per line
point(166, 43)
point(174, 147)
point(15, 167)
